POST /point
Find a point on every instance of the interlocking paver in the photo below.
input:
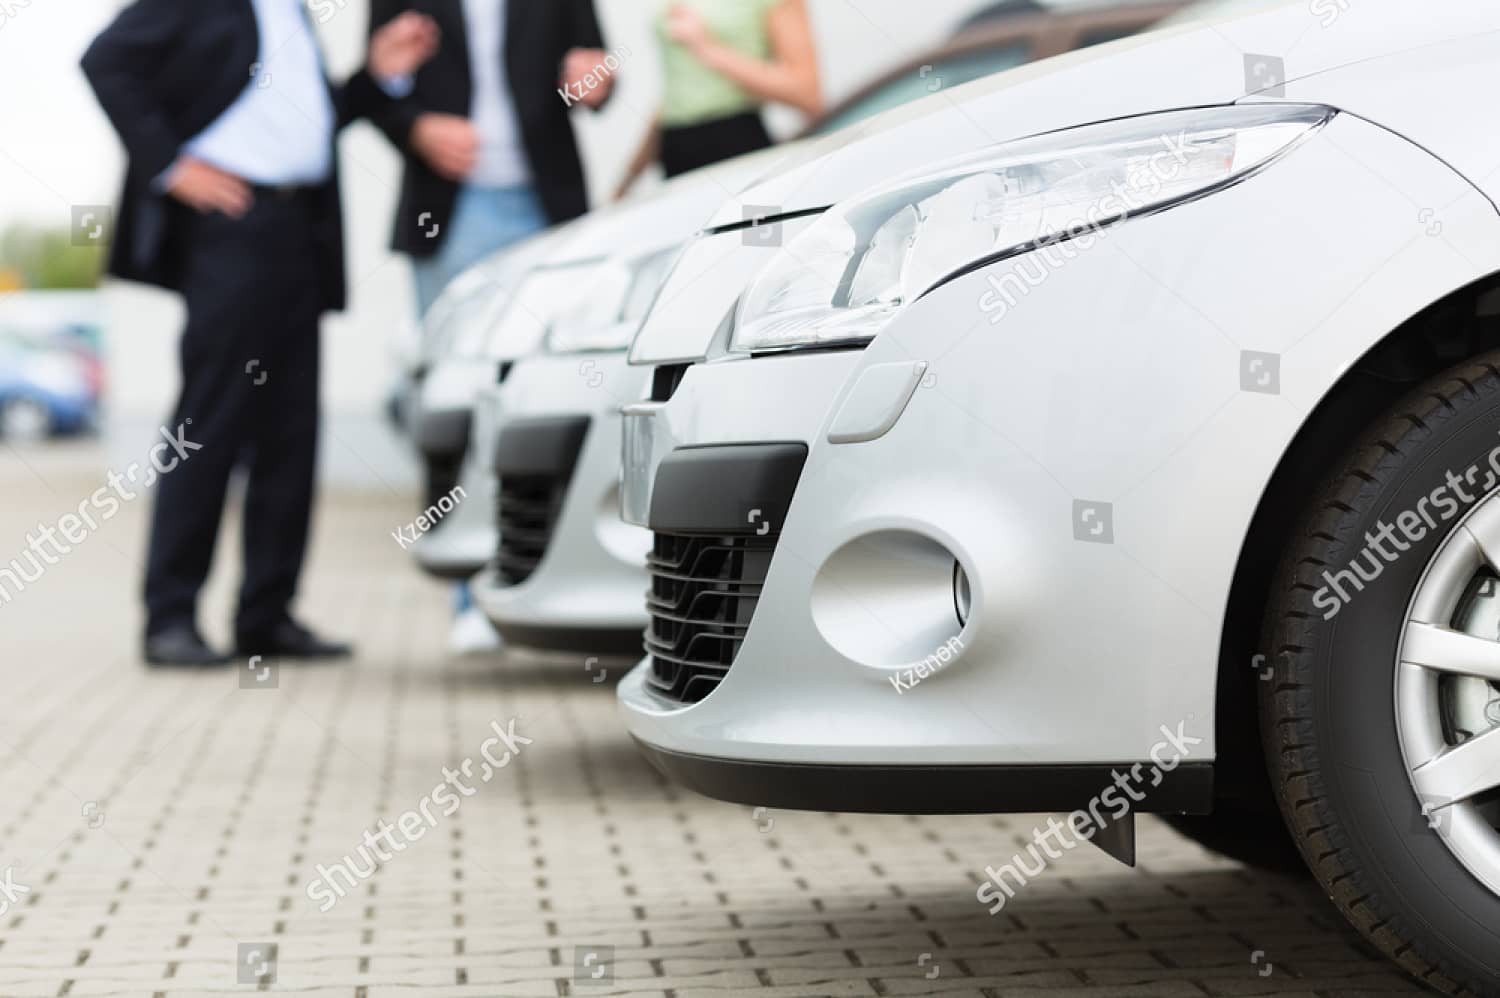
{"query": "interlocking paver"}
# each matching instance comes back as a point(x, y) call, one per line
point(163, 820)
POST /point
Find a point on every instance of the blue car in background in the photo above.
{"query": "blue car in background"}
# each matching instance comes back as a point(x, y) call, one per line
point(51, 379)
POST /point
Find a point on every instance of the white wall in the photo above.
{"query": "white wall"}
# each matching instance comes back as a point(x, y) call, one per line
point(57, 150)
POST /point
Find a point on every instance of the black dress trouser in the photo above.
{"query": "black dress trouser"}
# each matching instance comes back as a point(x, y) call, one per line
point(249, 398)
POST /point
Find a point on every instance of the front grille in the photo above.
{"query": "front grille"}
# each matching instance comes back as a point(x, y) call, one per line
point(703, 593)
point(529, 506)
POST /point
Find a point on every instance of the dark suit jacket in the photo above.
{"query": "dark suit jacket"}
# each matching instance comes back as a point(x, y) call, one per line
point(538, 33)
point(164, 71)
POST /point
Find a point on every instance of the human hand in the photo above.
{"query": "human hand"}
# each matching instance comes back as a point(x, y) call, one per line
point(576, 67)
point(403, 45)
point(447, 142)
point(206, 188)
point(687, 27)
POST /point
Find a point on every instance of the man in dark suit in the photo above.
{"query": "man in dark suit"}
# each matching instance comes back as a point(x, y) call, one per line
point(231, 198)
point(489, 147)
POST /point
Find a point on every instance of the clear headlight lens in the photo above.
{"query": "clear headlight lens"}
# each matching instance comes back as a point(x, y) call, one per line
point(846, 276)
point(608, 313)
point(542, 296)
point(470, 299)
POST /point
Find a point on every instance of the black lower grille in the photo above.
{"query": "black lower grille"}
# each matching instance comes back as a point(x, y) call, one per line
point(528, 509)
point(534, 462)
point(716, 513)
point(703, 594)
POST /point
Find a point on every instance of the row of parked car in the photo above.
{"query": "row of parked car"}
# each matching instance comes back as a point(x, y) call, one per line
point(1122, 423)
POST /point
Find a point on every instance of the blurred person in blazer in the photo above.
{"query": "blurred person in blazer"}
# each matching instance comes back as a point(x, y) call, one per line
point(490, 155)
point(231, 199)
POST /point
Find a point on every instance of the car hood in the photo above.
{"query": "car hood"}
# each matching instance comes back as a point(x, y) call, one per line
point(1212, 61)
point(667, 216)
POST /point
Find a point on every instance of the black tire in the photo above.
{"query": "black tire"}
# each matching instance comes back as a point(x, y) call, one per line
point(1328, 712)
point(1258, 839)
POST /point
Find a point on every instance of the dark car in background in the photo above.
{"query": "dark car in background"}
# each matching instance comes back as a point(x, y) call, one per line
point(996, 38)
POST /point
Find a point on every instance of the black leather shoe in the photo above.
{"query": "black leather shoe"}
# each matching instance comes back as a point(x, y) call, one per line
point(182, 647)
point(290, 639)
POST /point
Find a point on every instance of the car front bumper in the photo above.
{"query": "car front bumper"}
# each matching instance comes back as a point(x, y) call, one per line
point(566, 573)
point(1092, 464)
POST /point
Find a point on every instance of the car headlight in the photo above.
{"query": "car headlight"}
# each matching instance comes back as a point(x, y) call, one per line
point(846, 276)
point(617, 299)
point(543, 295)
point(468, 301)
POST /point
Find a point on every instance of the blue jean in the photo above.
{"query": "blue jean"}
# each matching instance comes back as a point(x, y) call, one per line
point(484, 221)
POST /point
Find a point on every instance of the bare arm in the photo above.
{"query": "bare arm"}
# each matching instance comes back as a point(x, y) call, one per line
point(791, 74)
point(648, 153)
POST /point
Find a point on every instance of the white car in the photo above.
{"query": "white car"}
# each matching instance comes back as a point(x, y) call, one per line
point(464, 351)
point(567, 573)
point(1124, 434)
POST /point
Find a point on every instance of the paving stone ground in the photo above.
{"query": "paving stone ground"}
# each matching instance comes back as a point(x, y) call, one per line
point(167, 827)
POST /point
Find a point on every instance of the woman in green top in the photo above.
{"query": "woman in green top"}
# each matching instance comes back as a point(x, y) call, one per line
point(722, 60)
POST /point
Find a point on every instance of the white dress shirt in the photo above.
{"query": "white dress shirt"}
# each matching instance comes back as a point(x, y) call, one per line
point(280, 129)
point(502, 158)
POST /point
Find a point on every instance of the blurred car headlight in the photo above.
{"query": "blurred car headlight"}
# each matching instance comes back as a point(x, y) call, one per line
point(460, 313)
point(844, 278)
point(544, 295)
point(608, 315)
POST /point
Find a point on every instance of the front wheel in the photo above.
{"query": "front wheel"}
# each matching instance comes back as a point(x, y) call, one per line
point(1381, 722)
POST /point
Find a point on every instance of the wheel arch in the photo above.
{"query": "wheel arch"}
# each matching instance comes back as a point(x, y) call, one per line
point(1456, 327)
